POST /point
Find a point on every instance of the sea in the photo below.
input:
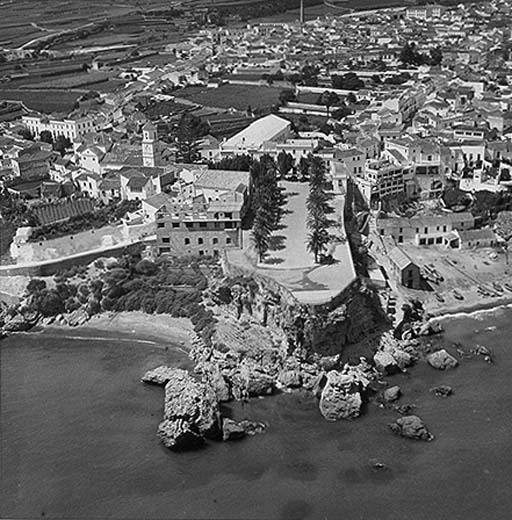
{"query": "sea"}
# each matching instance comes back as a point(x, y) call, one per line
point(78, 440)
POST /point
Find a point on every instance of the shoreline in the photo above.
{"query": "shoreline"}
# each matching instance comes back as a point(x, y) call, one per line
point(470, 308)
point(159, 327)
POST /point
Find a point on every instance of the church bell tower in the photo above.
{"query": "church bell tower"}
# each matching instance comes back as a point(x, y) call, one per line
point(149, 145)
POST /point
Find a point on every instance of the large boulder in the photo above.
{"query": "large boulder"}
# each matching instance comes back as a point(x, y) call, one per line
point(193, 402)
point(412, 427)
point(250, 381)
point(179, 435)
point(385, 362)
point(290, 378)
point(213, 376)
point(18, 323)
point(442, 360)
point(232, 430)
point(341, 397)
point(392, 394)
point(158, 376)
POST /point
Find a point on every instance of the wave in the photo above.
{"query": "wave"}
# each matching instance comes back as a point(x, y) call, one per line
point(475, 314)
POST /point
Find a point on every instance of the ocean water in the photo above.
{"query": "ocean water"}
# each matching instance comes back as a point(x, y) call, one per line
point(78, 440)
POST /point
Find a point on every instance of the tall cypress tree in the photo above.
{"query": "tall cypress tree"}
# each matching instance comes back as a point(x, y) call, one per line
point(318, 208)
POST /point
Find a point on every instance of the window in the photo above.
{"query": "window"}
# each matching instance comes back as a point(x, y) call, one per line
point(200, 240)
point(175, 224)
point(202, 224)
point(160, 225)
point(215, 241)
point(228, 240)
point(422, 241)
point(426, 230)
point(165, 250)
point(201, 253)
point(439, 240)
point(430, 241)
point(189, 225)
point(400, 239)
point(187, 241)
point(444, 228)
point(166, 240)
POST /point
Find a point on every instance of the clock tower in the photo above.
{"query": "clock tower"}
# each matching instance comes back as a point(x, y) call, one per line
point(149, 145)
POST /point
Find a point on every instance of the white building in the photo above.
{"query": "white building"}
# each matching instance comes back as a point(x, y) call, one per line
point(70, 128)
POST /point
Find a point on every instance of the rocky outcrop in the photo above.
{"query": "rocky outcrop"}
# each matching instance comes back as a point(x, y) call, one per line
point(250, 381)
point(412, 427)
point(232, 430)
point(430, 328)
point(179, 435)
point(341, 396)
point(391, 357)
point(442, 360)
point(190, 410)
point(18, 323)
point(392, 394)
point(442, 390)
point(158, 376)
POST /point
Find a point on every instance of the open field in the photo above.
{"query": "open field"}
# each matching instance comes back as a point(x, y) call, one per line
point(46, 101)
point(232, 96)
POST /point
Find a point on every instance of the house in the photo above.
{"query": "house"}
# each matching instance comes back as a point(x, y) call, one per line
point(424, 230)
point(32, 163)
point(110, 188)
point(405, 271)
point(477, 238)
point(89, 182)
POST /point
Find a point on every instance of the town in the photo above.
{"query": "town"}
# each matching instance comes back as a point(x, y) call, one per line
point(408, 111)
point(287, 215)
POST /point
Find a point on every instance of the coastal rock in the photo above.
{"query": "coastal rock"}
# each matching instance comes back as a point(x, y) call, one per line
point(158, 376)
point(290, 378)
point(18, 323)
point(442, 360)
point(213, 377)
point(442, 390)
point(232, 430)
point(405, 409)
point(412, 427)
point(392, 394)
point(385, 362)
point(250, 381)
point(340, 397)
point(192, 401)
point(252, 427)
point(179, 435)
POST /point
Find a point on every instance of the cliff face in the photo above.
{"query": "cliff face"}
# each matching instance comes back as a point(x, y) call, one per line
point(323, 330)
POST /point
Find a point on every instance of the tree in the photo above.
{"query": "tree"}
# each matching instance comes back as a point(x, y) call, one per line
point(351, 98)
point(410, 56)
point(304, 167)
point(267, 203)
point(328, 99)
point(26, 134)
point(318, 209)
point(284, 163)
point(188, 132)
point(349, 81)
point(436, 56)
point(61, 144)
point(46, 137)
point(286, 95)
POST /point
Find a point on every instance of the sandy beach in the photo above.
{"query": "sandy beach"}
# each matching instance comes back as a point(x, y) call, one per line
point(152, 326)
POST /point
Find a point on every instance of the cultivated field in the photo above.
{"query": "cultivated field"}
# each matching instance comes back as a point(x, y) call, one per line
point(46, 101)
point(232, 96)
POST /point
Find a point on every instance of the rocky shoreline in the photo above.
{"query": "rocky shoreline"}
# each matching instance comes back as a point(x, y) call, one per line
point(260, 348)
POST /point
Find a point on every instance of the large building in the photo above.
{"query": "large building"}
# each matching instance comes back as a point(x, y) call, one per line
point(254, 139)
point(425, 230)
point(202, 216)
point(69, 128)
